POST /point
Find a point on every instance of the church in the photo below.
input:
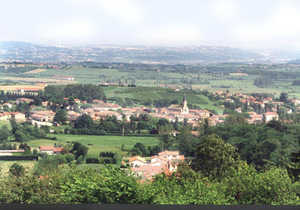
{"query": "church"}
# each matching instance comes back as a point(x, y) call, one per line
point(182, 108)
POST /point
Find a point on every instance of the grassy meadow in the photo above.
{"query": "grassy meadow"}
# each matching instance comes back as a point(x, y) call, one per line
point(5, 165)
point(96, 144)
point(213, 78)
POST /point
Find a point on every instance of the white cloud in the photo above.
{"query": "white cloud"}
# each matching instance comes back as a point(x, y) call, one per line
point(123, 10)
point(281, 26)
point(174, 33)
point(69, 30)
point(224, 9)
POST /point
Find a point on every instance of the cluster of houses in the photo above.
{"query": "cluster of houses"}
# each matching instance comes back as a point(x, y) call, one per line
point(100, 109)
point(166, 161)
point(267, 104)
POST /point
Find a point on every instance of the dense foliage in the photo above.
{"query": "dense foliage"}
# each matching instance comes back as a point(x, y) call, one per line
point(85, 92)
point(242, 185)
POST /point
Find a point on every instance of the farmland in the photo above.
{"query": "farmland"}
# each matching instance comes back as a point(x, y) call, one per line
point(4, 167)
point(35, 71)
point(209, 77)
point(154, 93)
point(97, 144)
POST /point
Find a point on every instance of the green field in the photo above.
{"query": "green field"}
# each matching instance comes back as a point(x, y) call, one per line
point(99, 143)
point(7, 123)
point(155, 93)
point(4, 167)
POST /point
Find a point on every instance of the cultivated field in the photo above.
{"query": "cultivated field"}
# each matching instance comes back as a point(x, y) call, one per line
point(4, 167)
point(146, 93)
point(35, 71)
point(96, 144)
point(37, 80)
point(15, 87)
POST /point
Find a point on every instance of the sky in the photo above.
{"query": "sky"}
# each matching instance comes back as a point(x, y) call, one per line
point(238, 23)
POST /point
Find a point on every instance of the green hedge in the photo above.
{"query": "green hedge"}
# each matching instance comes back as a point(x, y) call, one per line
point(31, 157)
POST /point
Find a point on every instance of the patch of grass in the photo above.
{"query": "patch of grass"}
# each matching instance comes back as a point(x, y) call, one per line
point(7, 123)
point(5, 165)
point(99, 143)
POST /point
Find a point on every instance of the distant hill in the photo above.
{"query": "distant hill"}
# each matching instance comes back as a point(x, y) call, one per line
point(10, 45)
point(200, 54)
point(297, 61)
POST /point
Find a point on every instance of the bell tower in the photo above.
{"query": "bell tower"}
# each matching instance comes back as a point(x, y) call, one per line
point(184, 108)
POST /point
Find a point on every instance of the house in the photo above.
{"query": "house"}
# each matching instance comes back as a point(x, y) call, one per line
point(24, 100)
point(42, 116)
point(5, 115)
point(63, 78)
point(77, 101)
point(229, 100)
point(6, 104)
point(18, 116)
point(195, 133)
point(10, 152)
point(238, 110)
point(98, 102)
point(50, 150)
point(268, 116)
point(166, 161)
point(72, 116)
point(137, 161)
point(28, 90)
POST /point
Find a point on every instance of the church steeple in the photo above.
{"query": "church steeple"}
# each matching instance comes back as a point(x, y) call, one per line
point(184, 99)
point(184, 108)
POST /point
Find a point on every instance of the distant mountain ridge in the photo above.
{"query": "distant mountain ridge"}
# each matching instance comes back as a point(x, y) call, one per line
point(24, 51)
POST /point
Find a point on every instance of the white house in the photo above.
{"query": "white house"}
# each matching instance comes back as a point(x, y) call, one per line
point(268, 116)
point(137, 161)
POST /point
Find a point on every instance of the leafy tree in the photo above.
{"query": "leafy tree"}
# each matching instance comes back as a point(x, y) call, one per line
point(186, 141)
point(162, 122)
point(84, 121)
point(154, 150)
point(165, 137)
point(235, 118)
point(141, 149)
point(16, 170)
point(79, 150)
point(283, 97)
point(4, 133)
point(213, 156)
point(20, 136)
point(14, 125)
point(35, 152)
point(61, 116)
point(37, 101)
point(271, 186)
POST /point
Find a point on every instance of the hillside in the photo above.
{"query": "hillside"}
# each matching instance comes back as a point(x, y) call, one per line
point(22, 51)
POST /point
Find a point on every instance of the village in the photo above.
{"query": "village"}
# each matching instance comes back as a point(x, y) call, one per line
point(267, 110)
point(143, 167)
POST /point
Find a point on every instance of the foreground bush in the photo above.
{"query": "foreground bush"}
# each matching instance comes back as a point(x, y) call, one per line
point(108, 185)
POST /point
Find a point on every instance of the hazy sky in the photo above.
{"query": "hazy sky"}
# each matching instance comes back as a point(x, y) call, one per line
point(243, 23)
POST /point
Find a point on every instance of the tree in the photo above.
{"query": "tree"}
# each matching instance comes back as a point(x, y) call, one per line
point(16, 170)
point(283, 97)
point(84, 121)
point(21, 136)
point(61, 116)
point(235, 118)
point(4, 133)
point(142, 148)
point(213, 156)
point(165, 136)
point(79, 150)
point(37, 101)
point(162, 122)
point(186, 142)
